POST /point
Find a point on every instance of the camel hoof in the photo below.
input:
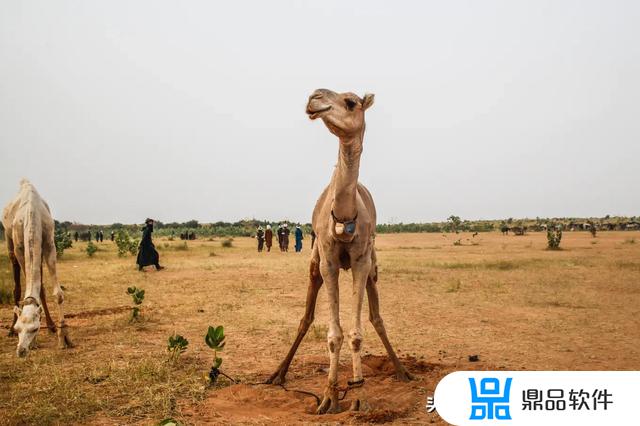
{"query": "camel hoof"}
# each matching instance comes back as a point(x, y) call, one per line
point(330, 403)
point(360, 405)
point(276, 379)
point(404, 376)
point(59, 295)
point(64, 341)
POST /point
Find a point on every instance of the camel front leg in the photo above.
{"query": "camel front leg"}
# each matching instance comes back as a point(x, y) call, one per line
point(360, 270)
point(43, 299)
point(50, 257)
point(17, 289)
point(330, 403)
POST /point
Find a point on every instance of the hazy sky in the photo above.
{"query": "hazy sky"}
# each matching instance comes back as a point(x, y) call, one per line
point(119, 110)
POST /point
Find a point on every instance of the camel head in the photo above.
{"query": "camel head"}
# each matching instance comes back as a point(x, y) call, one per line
point(342, 113)
point(27, 325)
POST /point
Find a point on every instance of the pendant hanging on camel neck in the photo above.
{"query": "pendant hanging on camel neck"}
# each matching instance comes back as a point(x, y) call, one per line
point(345, 228)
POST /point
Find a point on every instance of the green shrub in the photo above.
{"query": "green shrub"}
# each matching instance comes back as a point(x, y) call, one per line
point(554, 236)
point(62, 241)
point(126, 244)
point(227, 243)
point(91, 249)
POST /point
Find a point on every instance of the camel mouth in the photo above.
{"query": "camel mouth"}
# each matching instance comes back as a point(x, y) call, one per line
point(314, 114)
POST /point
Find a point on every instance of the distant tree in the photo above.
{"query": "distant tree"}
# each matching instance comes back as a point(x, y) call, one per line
point(191, 224)
point(116, 226)
point(454, 223)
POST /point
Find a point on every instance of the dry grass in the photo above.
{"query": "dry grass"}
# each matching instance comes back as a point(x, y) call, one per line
point(508, 299)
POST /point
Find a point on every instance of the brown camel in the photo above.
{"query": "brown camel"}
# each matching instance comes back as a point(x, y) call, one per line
point(344, 221)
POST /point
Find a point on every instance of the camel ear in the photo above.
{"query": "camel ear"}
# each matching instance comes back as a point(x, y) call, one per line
point(17, 310)
point(367, 101)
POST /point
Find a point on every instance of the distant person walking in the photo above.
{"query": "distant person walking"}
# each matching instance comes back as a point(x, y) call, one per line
point(280, 232)
point(268, 237)
point(76, 236)
point(147, 253)
point(101, 236)
point(260, 238)
point(299, 238)
point(113, 235)
point(285, 237)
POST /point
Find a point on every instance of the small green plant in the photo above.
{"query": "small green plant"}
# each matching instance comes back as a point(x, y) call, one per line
point(227, 243)
point(458, 242)
point(215, 340)
point(177, 345)
point(137, 294)
point(91, 249)
point(554, 236)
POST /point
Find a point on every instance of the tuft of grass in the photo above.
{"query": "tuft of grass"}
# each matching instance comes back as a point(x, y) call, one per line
point(629, 241)
point(212, 253)
point(319, 331)
point(454, 286)
point(227, 243)
point(181, 247)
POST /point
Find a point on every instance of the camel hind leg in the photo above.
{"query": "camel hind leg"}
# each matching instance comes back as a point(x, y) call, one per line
point(378, 324)
point(315, 282)
point(49, 255)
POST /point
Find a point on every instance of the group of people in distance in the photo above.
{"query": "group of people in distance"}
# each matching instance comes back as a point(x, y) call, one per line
point(99, 236)
point(265, 237)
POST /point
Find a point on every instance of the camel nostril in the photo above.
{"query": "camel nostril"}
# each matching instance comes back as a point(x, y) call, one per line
point(22, 352)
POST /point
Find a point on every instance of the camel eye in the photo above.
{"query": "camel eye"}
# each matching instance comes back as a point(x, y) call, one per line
point(351, 104)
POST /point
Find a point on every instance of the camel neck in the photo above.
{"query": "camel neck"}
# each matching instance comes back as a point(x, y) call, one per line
point(345, 178)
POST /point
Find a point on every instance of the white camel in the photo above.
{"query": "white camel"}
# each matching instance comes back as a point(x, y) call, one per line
point(29, 230)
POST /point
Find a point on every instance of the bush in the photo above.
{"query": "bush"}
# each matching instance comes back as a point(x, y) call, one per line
point(554, 235)
point(91, 249)
point(227, 243)
point(125, 243)
point(62, 241)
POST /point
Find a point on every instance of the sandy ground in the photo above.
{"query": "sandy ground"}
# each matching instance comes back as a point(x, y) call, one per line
point(503, 298)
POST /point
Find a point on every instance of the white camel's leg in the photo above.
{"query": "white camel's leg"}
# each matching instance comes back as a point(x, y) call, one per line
point(49, 255)
point(360, 270)
point(329, 271)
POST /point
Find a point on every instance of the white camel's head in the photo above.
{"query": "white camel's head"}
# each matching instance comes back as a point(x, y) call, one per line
point(342, 113)
point(27, 325)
